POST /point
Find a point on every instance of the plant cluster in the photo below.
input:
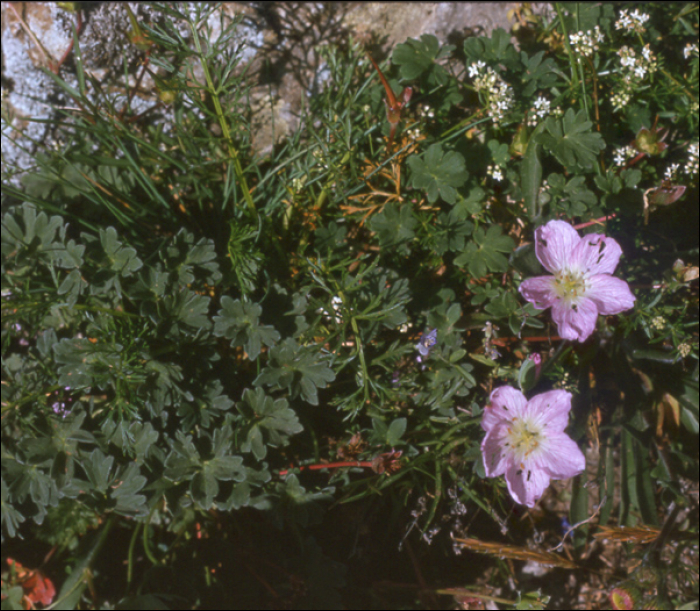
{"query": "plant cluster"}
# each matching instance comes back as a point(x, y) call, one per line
point(207, 350)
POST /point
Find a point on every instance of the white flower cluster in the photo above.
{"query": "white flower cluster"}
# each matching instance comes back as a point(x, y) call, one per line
point(691, 166)
point(495, 172)
point(542, 108)
point(414, 133)
point(633, 23)
point(623, 154)
point(671, 172)
point(319, 157)
point(497, 93)
point(586, 43)
point(336, 305)
point(684, 349)
point(690, 49)
point(658, 323)
point(634, 70)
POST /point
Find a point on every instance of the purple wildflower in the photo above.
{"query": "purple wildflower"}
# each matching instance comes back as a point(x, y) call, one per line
point(425, 343)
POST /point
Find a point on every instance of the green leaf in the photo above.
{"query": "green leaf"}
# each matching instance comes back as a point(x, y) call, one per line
point(527, 376)
point(395, 431)
point(123, 259)
point(579, 511)
point(189, 308)
point(531, 174)
point(296, 368)
point(394, 226)
point(538, 74)
point(438, 173)
point(485, 253)
point(451, 231)
point(330, 237)
point(184, 460)
point(418, 56)
point(525, 261)
point(572, 141)
point(493, 50)
point(71, 591)
point(124, 490)
point(192, 260)
point(97, 467)
point(72, 285)
point(271, 422)
point(499, 152)
point(84, 363)
point(204, 487)
point(239, 321)
point(502, 306)
point(11, 517)
point(690, 401)
point(415, 56)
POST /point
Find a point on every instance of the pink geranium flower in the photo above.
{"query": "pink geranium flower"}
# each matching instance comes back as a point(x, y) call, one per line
point(526, 442)
point(582, 285)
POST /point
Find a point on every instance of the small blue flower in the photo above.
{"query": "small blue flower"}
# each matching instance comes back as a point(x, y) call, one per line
point(426, 342)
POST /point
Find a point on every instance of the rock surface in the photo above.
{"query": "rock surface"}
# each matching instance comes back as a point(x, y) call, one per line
point(280, 41)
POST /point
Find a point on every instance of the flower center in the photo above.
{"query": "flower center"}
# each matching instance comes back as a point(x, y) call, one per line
point(524, 437)
point(570, 285)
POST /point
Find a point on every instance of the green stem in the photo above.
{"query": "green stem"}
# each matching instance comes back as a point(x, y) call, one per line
point(130, 554)
point(360, 351)
point(233, 153)
point(438, 494)
point(567, 46)
point(146, 544)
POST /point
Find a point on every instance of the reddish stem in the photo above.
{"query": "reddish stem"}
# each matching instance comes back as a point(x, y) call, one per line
point(330, 465)
point(599, 221)
point(502, 341)
point(78, 27)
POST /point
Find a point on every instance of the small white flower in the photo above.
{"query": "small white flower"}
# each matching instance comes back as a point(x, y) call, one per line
point(671, 171)
point(495, 173)
point(684, 349)
point(623, 154)
point(633, 23)
point(691, 166)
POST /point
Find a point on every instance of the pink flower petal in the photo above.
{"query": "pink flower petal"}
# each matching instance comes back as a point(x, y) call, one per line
point(494, 457)
point(553, 407)
point(539, 291)
point(509, 399)
point(526, 486)
point(564, 457)
point(610, 295)
point(526, 442)
point(575, 321)
point(596, 254)
point(554, 243)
